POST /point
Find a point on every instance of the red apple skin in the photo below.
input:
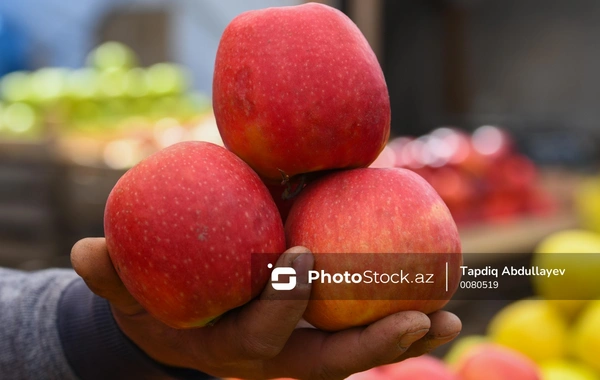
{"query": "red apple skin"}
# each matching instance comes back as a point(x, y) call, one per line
point(299, 89)
point(181, 227)
point(493, 362)
point(369, 213)
point(420, 368)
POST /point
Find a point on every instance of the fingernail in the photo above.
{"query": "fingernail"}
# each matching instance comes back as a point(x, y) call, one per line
point(409, 338)
point(302, 264)
point(444, 339)
point(434, 342)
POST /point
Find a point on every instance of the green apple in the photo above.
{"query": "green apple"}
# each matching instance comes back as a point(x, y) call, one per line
point(85, 111)
point(48, 84)
point(16, 86)
point(167, 79)
point(83, 83)
point(20, 120)
point(112, 83)
point(112, 55)
point(136, 83)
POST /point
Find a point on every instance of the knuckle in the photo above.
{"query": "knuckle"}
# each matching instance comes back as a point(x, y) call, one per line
point(257, 348)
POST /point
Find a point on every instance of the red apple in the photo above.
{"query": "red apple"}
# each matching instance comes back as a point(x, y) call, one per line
point(181, 227)
point(383, 220)
point(298, 89)
point(420, 368)
point(494, 362)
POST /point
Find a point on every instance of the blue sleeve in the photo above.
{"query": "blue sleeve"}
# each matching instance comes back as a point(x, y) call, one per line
point(30, 347)
point(95, 347)
point(53, 327)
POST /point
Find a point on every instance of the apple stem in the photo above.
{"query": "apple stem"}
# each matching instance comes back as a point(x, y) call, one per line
point(290, 192)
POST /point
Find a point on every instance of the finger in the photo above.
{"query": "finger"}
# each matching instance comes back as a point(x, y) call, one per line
point(313, 354)
point(91, 261)
point(262, 327)
point(445, 326)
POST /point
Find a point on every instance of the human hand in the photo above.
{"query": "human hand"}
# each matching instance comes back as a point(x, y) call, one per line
point(261, 339)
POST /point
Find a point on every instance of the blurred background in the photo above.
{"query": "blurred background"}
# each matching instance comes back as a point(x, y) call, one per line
point(495, 103)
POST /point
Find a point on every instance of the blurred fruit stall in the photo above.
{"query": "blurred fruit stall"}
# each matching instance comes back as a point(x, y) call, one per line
point(66, 137)
point(511, 212)
point(500, 199)
point(75, 131)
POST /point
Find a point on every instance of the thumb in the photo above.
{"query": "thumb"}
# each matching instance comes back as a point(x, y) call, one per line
point(91, 261)
point(264, 325)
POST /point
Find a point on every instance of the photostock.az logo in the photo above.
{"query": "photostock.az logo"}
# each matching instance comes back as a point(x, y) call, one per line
point(283, 271)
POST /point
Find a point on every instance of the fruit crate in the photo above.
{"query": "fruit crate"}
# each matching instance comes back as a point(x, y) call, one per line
point(82, 200)
point(28, 218)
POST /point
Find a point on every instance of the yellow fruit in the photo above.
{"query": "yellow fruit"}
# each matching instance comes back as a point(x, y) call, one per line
point(577, 252)
point(461, 346)
point(585, 336)
point(532, 327)
point(587, 204)
point(567, 370)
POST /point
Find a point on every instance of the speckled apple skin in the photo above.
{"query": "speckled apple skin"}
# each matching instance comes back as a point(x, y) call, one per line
point(371, 212)
point(299, 89)
point(181, 227)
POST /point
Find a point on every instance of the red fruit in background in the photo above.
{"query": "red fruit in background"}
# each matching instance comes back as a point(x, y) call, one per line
point(397, 144)
point(495, 362)
point(454, 186)
point(181, 227)
point(386, 159)
point(420, 368)
point(424, 172)
point(459, 191)
point(501, 206)
point(459, 151)
point(299, 89)
point(512, 173)
point(540, 202)
point(383, 220)
point(492, 142)
point(410, 153)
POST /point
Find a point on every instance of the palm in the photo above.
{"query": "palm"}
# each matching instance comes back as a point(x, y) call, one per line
point(261, 339)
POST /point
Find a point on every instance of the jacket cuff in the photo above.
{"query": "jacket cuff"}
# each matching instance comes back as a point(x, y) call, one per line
point(97, 349)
